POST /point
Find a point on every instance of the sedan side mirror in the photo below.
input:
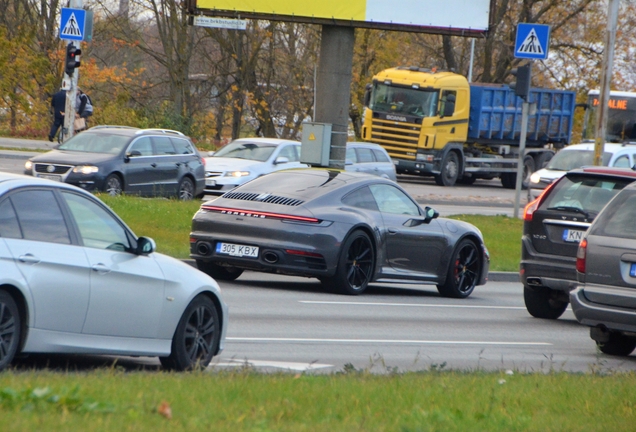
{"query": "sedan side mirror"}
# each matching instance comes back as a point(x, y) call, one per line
point(281, 160)
point(145, 246)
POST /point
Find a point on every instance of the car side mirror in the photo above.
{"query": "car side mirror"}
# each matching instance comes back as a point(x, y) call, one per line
point(211, 153)
point(145, 246)
point(348, 162)
point(281, 160)
point(131, 154)
point(430, 214)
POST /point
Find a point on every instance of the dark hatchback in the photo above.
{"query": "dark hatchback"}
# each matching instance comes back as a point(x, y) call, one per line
point(119, 159)
point(553, 225)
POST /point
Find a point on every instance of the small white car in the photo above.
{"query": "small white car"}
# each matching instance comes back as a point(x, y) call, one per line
point(245, 159)
point(369, 158)
point(578, 156)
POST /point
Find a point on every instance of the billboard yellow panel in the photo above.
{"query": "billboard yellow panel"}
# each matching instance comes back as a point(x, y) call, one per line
point(459, 16)
point(349, 9)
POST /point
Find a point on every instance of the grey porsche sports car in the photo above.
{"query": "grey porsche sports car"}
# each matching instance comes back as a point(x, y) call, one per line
point(346, 229)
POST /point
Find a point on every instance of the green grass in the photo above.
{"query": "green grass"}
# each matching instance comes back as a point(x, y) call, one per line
point(111, 400)
point(168, 222)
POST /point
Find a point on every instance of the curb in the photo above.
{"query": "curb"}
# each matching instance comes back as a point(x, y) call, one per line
point(492, 276)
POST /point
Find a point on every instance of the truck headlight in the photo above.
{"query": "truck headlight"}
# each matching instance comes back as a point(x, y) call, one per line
point(86, 169)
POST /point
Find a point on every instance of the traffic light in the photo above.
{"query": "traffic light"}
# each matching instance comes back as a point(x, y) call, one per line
point(524, 77)
point(72, 58)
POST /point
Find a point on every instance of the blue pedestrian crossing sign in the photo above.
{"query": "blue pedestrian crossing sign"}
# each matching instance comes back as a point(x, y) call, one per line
point(72, 24)
point(532, 41)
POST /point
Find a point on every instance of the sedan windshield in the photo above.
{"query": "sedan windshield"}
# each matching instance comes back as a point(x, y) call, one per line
point(96, 143)
point(251, 151)
point(569, 159)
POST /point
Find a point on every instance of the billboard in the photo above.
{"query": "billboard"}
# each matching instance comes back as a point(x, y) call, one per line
point(456, 17)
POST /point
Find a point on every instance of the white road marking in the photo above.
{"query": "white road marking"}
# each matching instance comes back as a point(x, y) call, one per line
point(274, 364)
point(382, 341)
point(410, 305)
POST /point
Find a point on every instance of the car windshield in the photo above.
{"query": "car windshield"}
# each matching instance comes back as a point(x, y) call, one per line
point(567, 160)
point(96, 143)
point(583, 194)
point(243, 150)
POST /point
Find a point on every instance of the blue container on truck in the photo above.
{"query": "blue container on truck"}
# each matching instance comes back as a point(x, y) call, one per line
point(495, 116)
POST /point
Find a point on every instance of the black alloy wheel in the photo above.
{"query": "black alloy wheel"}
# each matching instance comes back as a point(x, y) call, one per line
point(618, 345)
point(113, 185)
point(196, 338)
point(542, 302)
point(9, 329)
point(186, 189)
point(449, 170)
point(355, 267)
point(463, 271)
point(219, 272)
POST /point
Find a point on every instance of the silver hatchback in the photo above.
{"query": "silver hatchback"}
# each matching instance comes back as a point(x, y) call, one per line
point(369, 158)
point(605, 298)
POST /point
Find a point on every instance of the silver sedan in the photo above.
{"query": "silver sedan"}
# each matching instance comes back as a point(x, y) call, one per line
point(75, 279)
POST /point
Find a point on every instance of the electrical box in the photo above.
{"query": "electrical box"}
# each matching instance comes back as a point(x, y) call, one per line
point(316, 144)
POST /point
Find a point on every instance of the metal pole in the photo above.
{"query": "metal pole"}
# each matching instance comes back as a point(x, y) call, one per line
point(522, 150)
point(606, 78)
point(472, 56)
point(71, 91)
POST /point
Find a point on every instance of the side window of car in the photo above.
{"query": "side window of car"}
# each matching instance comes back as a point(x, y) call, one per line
point(362, 198)
point(351, 155)
point(40, 216)
point(98, 228)
point(392, 200)
point(289, 152)
point(380, 156)
point(182, 146)
point(622, 162)
point(143, 146)
point(163, 146)
point(365, 155)
point(9, 226)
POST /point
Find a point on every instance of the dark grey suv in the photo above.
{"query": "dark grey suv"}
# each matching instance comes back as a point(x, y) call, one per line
point(116, 159)
point(605, 298)
point(553, 225)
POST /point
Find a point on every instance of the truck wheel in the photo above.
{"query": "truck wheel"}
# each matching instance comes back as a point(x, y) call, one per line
point(509, 180)
point(449, 170)
point(528, 169)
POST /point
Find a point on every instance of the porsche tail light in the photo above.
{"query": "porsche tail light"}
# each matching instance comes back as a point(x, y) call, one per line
point(259, 214)
point(532, 206)
point(581, 254)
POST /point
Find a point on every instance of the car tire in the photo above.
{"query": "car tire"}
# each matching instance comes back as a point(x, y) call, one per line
point(543, 303)
point(355, 265)
point(219, 272)
point(463, 271)
point(617, 345)
point(196, 338)
point(113, 185)
point(186, 189)
point(10, 329)
point(449, 170)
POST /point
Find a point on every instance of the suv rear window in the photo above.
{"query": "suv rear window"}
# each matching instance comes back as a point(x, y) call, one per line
point(589, 194)
point(618, 221)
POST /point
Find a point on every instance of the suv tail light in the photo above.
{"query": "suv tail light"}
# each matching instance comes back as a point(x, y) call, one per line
point(580, 256)
point(532, 206)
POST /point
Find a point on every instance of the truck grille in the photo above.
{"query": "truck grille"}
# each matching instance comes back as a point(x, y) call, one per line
point(399, 139)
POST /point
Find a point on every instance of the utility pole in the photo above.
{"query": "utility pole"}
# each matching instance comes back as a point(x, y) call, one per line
point(606, 78)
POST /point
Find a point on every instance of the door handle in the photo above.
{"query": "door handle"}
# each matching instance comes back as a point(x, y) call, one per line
point(393, 231)
point(154, 165)
point(100, 268)
point(178, 164)
point(29, 259)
